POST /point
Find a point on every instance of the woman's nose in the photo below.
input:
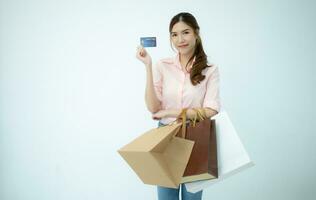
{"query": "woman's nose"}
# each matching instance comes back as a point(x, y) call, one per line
point(180, 38)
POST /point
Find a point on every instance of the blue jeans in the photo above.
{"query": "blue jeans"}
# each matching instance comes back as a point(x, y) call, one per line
point(165, 193)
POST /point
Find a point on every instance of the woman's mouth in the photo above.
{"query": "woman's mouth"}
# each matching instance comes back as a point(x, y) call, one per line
point(183, 46)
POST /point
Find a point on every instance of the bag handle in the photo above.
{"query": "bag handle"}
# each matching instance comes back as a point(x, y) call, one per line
point(199, 115)
point(182, 118)
point(183, 115)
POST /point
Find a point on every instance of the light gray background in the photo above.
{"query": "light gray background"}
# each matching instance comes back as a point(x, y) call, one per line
point(72, 93)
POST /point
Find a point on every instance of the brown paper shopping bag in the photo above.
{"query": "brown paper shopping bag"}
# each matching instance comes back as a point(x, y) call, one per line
point(158, 157)
point(202, 164)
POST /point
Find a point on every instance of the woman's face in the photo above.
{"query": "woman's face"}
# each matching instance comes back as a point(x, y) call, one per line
point(183, 38)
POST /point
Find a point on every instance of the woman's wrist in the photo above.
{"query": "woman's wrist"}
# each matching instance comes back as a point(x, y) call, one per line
point(148, 65)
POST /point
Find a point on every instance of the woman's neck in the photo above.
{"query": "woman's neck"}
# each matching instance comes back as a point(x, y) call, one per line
point(184, 58)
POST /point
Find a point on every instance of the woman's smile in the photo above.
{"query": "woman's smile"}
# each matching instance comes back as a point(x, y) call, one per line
point(183, 46)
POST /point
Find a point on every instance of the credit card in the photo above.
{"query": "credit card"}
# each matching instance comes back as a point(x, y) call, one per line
point(148, 41)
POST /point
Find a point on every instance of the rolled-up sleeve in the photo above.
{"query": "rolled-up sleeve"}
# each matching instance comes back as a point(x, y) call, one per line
point(157, 80)
point(212, 95)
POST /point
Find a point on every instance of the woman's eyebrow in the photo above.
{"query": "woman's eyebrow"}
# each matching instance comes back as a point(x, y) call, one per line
point(182, 31)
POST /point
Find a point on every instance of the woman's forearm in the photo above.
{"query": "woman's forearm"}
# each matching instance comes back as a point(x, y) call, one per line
point(152, 102)
point(191, 113)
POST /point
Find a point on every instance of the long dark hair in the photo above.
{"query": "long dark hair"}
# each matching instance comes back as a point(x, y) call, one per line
point(200, 62)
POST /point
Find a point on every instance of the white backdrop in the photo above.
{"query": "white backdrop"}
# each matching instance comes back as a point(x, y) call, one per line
point(72, 93)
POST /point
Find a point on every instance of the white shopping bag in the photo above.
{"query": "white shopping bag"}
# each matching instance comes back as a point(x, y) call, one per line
point(231, 154)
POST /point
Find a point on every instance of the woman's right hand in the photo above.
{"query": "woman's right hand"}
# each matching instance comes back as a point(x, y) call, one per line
point(143, 56)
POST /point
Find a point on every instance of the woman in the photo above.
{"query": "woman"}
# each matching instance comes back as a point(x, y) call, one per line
point(184, 81)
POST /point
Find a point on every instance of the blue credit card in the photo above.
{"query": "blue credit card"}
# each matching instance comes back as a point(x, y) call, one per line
point(148, 41)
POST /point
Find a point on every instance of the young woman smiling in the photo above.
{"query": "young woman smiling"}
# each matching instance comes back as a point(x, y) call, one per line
point(186, 80)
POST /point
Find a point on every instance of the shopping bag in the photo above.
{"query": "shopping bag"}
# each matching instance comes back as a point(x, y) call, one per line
point(202, 164)
point(231, 154)
point(158, 157)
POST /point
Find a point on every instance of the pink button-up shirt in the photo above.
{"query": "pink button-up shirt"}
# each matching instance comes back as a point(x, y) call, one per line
point(174, 89)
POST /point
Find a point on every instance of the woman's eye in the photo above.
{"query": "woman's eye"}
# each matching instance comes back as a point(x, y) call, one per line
point(173, 35)
point(186, 32)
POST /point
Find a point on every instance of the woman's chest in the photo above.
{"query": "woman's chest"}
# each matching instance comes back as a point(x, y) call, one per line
point(178, 84)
